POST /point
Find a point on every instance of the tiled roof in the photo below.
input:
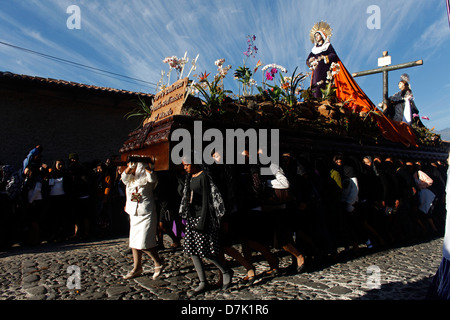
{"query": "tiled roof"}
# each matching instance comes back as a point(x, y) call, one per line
point(64, 83)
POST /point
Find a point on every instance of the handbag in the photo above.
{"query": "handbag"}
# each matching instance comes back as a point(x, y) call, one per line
point(282, 195)
point(278, 196)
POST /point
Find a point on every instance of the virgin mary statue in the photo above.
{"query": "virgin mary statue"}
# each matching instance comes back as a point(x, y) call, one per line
point(321, 57)
point(323, 61)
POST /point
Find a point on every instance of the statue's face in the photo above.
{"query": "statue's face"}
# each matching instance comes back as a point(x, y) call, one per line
point(318, 38)
point(401, 85)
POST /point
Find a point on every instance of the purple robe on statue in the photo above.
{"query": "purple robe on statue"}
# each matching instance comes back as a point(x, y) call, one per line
point(319, 76)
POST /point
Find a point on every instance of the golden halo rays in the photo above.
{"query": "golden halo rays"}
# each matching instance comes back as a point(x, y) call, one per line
point(323, 27)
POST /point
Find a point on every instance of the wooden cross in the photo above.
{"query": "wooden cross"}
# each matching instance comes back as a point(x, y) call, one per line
point(384, 63)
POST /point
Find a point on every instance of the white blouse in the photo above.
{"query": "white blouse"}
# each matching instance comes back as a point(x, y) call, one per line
point(145, 203)
point(57, 187)
point(36, 193)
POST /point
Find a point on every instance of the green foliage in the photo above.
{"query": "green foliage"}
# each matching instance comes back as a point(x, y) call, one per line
point(273, 93)
point(243, 74)
point(426, 136)
point(329, 93)
point(142, 110)
point(213, 94)
point(289, 87)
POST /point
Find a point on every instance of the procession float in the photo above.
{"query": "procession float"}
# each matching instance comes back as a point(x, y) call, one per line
point(316, 113)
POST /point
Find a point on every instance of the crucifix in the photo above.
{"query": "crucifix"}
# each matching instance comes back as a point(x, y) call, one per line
point(384, 64)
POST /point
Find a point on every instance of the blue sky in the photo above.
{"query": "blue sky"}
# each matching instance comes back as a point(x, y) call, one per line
point(131, 38)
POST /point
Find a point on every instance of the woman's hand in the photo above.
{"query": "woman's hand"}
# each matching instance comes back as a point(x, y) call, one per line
point(131, 167)
point(150, 166)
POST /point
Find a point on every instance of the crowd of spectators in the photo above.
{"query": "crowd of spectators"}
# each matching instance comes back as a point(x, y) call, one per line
point(64, 200)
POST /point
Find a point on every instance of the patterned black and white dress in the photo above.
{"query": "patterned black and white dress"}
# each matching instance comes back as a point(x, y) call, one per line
point(199, 205)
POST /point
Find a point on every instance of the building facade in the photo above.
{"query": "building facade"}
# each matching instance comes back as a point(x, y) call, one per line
point(64, 117)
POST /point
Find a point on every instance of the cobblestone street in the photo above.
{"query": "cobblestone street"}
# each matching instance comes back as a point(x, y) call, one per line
point(93, 271)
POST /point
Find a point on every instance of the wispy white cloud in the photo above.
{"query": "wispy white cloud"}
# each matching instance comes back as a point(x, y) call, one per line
point(434, 36)
point(133, 37)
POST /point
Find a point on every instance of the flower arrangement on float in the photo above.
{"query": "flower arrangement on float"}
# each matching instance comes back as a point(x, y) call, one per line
point(212, 92)
point(244, 74)
point(281, 99)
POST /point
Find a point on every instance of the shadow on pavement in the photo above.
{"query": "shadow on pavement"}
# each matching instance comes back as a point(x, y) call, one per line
point(400, 291)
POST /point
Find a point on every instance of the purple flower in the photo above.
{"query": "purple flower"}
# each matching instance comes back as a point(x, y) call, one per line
point(425, 118)
point(269, 75)
point(273, 71)
point(252, 50)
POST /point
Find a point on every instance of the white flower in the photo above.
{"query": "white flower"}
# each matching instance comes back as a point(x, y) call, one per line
point(172, 61)
point(192, 89)
point(252, 82)
point(182, 62)
point(219, 62)
point(335, 68)
point(224, 70)
point(313, 65)
point(329, 76)
point(175, 63)
point(276, 66)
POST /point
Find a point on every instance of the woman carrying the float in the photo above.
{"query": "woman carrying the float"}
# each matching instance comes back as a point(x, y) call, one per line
point(140, 181)
point(203, 207)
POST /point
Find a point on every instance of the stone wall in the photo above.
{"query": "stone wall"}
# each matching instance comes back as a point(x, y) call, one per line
point(91, 124)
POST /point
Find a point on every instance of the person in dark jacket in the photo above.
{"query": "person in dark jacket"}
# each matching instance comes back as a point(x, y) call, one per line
point(202, 207)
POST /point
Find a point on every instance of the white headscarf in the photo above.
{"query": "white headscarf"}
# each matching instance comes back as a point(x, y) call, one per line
point(319, 49)
point(139, 178)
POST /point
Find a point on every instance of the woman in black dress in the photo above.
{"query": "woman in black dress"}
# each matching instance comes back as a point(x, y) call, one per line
point(202, 207)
